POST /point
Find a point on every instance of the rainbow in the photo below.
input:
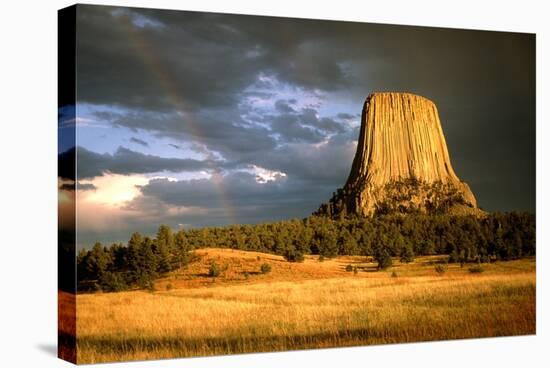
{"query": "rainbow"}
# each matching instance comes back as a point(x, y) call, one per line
point(177, 101)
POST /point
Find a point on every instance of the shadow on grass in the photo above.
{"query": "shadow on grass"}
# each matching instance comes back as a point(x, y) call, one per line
point(223, 345)
point(203, 275)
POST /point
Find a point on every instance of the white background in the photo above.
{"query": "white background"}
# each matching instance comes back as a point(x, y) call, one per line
point(28, 193)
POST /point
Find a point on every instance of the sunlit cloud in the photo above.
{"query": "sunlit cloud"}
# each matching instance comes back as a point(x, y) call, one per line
point(264, 176)
point(112, 189)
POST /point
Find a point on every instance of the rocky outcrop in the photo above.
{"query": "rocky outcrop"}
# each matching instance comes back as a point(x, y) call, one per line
point(402, 162)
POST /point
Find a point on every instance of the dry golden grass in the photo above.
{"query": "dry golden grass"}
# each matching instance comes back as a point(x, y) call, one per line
point(305, 305)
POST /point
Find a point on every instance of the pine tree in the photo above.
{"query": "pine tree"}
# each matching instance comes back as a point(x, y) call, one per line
point(182, 248)
point(164, 248)
point(328, 242)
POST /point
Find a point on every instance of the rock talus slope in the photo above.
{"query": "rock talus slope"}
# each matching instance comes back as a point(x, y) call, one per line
point(402, 161)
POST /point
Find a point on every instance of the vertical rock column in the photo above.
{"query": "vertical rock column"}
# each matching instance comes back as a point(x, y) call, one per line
point(401, 140)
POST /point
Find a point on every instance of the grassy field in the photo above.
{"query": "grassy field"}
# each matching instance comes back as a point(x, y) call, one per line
point(303, 305)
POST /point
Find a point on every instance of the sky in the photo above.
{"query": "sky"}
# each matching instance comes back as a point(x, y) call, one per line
point(203, 119)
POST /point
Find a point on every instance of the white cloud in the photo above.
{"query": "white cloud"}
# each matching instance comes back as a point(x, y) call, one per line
point(264, 176)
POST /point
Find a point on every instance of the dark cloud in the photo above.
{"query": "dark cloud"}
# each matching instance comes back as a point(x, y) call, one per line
point(125, 162)
point(198, 60)
point(219, 130)
point(141, 142)
point(189, 77)
point(304, 125)
point(81, 186)
point(147, 60)
point(290, 129)
point(166, 80)
point(241, 198)
point(327, 164)
point(310, 117)
point(67, 186)
point(345, 116)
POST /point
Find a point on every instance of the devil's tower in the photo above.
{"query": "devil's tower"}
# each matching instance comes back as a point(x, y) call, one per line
point(402, 163)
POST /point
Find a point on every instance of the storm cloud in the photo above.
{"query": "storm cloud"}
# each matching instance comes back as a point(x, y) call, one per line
point(234, 196)
point(125, 161)
point(238, 96)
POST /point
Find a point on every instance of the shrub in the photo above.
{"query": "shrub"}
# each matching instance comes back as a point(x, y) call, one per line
point(384, 259)
point(454, 257)
point(111, 281)
point(169, 287)
point(349, 268)
point(476, 269)
point(394, 274)
point(293, 255)
point(355, 270)
point(440, 269)
point(407, 254)
point(265, 268)
point(321, 258)
point(145, 281)
point(214, 270)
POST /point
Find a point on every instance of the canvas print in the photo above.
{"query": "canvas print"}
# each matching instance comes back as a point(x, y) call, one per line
point(237, 184)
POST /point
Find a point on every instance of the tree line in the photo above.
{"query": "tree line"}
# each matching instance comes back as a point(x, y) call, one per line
point(463, 238)
point(136, 264)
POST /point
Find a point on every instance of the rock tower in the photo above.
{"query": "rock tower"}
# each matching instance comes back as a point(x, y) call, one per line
point(402, 163)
